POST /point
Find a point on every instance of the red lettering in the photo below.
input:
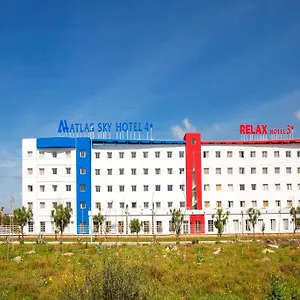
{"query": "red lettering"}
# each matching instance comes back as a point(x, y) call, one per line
point(248, 129)
point(282, 131)
point(272, 131)
point(242, 129)
point(258, 131)
point(264, 129)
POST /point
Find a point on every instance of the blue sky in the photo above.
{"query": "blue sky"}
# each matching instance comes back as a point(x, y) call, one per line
point(183, 65)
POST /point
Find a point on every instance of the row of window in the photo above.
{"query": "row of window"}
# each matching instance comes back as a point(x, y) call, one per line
point(253, 170)
point(252, 154)
point(43, 205)
point(242, 187)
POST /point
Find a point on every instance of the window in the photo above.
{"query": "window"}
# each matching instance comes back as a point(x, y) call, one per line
point(289, 203)
point(121, 188)
point(181, 154)
point(170, 204)
point(170, 171)
point(29, 153)
point(97, 155)
point(276, 153)
point(198, 227)
point(43, 226)
point(42, 205)
point(42, 188)
point(298, 153)
point(288, 170)
point(122, 204)
point(97, 172)
point(109, 204)
point(265, 154)
point(247, 225)
point(205, 154)
point(277, 203)
point(54, 204)
point(82, 153)
point(121, 226)
point(210, 225)
point(82, 188)
point(265, 203)
point(242, 203)
point(241, 154)
point(230, 187)
point(169, 154)
point(133, 188)
point(265, 170)
point(41, 154)
point(98, 188)
point(218, 171)
point(288, 154)
point(157, 171)
point(273, 224)
point(42, 171)
point(54, 188)
point(170, 188)
point(277, 170)
point(182, 204)
point(121, 171)
point(277, 186)
point(145, 154)
point(109, 171)
point(109, 154)
point(157, 154)
point(298, 187)
point(133, 171)
point(146, 204)
point(206, 204)
point(181, 171)
point(218, 154)
point(242, 187)
point(182, 187)
point(30, 226)
point(254, 203)
point(68, 171)
point(108, 226)
point(236, 226)
point(229, 154)
point(265, 187)
point(133, 205)
point(230, 203)
point(146, 188)
point(82, 171)
point(298, 170)
point(133, 154)
point(229, 171)
point(98, 205)
point(30, 205)
point(253, 187)
point(109, 188)
point(219, 203)
point(206, 170)
point(121, 154)
point(68, 188)
point(54, 154)
point(54, 171)
point(145, 171)
point(289, 186)
point(285, 224)
point(252, 154)
point(29, 171)
point(30, 188)
point(157, 188)
point(206, 187)
point(218, 187)
point(157, 204)
point(253, 170)
point(242, 170)
point(146, 226)
point(159, 226)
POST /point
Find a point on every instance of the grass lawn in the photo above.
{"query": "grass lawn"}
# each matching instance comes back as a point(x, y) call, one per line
point(235, 271)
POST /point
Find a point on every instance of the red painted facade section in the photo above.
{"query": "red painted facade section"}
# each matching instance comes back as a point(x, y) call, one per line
point(194, 228)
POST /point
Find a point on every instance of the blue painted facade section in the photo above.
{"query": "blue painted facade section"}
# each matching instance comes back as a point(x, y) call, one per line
point(149, 142)
point(83, 145)
point(55, 142)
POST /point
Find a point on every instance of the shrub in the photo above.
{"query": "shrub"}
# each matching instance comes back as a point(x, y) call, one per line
point(277, 289)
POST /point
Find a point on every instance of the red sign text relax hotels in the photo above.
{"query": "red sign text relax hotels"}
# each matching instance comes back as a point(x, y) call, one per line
point(263, 129)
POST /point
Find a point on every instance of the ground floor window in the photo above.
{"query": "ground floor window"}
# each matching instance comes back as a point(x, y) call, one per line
point(273, 224)
point(121, 226)
point(198, 226)
point(43, 226)
point(146, 227)
point(210, 225)
point(248, 225)
point(30, 226)
point(185, 227)
point(108, 226)
point(159, 226)
point(236, 226)
point(285, 224)
point(82, 227)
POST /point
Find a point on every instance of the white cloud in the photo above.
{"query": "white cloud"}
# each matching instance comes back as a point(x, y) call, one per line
point(298, 114)
point(179, 131)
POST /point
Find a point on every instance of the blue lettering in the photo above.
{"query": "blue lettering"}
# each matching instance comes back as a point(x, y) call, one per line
point(81, 127)
point(135, 126)
point(87, 127)
point(72, 129)
point(104, 127)
point(76, 126)
point(130, 126)
point(92, 127)
point(109, 126)
point(118, 127)
point(140, 129)
point(99, 127)
point(125, 126)
point(63, 126)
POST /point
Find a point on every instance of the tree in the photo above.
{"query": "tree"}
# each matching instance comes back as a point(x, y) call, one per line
point(98, 221)
point(61, 217)
point(21, 217)
point(1, 215)
point(295, 213)
point(253, 217)
point(135, 226)
point(220, 220)
point(176, 222)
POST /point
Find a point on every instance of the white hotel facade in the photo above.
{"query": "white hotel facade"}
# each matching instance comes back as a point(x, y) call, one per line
point(144, 179)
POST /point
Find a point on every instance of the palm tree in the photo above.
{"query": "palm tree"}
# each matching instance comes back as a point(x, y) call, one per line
point(1, 214)
point(98, 221)
point(295, 213)
point(220, 220)
point(253, 217)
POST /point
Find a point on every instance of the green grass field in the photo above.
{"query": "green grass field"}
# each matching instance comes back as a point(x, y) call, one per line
point(238, 271)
